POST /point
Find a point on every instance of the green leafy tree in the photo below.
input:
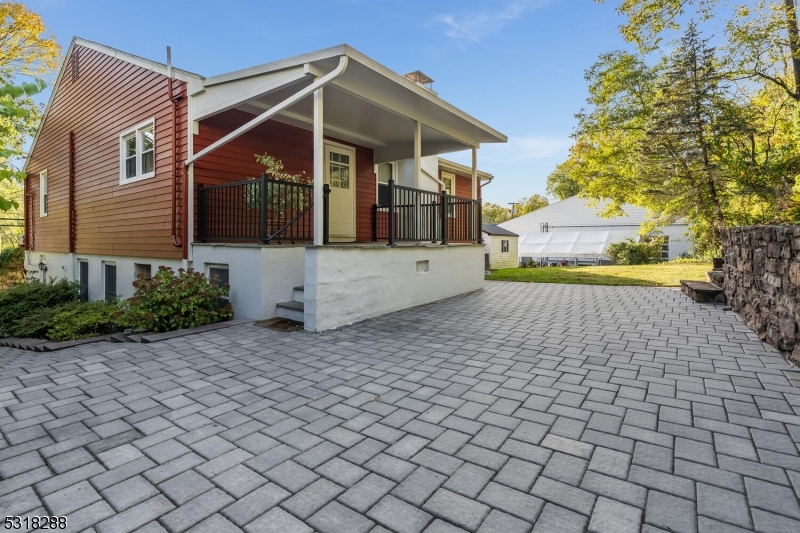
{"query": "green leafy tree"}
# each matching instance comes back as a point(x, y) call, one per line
point(495, 214)
point(531, 203)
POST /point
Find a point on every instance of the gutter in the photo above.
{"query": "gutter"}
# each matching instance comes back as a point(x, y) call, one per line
point(323, 81)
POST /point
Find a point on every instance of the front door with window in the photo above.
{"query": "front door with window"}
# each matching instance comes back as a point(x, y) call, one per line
point(340, 174)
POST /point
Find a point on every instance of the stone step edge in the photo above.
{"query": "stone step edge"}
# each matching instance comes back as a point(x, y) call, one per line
point(42, 345)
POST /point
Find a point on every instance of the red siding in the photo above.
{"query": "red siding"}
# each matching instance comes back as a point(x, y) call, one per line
point(108, 96)
point(294, 146)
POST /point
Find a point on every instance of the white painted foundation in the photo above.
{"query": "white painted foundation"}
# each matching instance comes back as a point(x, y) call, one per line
point(260, 276)
point(65, 265)
point(347, 284)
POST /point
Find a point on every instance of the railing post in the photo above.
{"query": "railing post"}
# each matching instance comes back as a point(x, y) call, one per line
point(375, 223)
point(444, 216)
point(479, 207)
point(391, 212)
point(326, 215)
point(262, 209)
point(201, 214)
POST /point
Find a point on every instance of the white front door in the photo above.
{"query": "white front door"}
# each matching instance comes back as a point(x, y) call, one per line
point(340, 174)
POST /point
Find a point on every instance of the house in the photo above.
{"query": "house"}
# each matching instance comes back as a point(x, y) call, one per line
point(573, 230)
point(501, 246)
point(138, 164)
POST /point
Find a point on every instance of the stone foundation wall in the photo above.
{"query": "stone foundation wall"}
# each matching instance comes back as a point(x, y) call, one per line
point(762, 282)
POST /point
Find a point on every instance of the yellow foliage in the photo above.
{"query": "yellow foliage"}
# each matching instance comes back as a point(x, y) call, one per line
point(24, 49)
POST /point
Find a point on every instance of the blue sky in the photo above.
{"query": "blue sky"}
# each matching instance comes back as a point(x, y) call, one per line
point(517, 65)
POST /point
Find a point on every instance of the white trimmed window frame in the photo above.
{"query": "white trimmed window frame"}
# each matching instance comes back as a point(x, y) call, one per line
point(44, 193)
point(123, 156)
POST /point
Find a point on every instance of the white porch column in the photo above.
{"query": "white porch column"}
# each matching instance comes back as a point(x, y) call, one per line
point(417, 154)
point(319, 167)
point(474, 172)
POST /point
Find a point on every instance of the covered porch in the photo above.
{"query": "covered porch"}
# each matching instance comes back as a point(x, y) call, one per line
point(337, 121)
point(332, 117)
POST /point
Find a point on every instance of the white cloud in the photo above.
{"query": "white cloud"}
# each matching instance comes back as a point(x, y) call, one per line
point(473, 26)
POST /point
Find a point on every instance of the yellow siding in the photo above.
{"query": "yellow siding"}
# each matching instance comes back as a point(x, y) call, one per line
point(499, 259)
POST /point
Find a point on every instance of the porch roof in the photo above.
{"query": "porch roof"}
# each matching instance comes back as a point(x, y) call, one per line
point(368, 104)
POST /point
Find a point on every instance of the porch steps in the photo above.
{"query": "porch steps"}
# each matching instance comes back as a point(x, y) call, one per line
point(701, 291)
point(293, 310)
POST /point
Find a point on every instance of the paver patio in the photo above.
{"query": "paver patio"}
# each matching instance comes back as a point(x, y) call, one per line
point(522, 407)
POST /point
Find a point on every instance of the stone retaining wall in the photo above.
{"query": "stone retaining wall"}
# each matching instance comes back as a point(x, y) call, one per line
point(762, 282)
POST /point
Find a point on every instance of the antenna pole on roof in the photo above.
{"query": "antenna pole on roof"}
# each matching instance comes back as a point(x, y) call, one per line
point(169, 62)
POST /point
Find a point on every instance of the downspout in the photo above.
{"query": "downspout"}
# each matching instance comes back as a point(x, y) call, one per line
point(274, 110)
point(174, 149)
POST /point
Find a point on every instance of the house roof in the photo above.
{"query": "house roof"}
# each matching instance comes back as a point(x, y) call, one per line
point(452, 166)
point(493, 229)
point(366, 89)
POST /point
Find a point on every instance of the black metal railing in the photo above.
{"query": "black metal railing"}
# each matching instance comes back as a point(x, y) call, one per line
point(418, 215)
point(258, 210)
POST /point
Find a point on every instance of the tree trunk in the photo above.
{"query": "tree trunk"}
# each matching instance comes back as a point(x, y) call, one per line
point(794, 43)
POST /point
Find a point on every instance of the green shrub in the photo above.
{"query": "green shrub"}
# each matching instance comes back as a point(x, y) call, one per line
point(630, 252)
point(19, 301)
point(36, 324)
point(171, 301)
point(88, 319)
point(12, 271)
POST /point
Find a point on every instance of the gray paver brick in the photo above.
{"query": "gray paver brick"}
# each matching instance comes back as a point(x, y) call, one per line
point(399, 516)
point(723, 505)
point(469, 480)
point(129, 493)
point(499, 522)
point(196, 510)
point(277, 521)
point(773, 498)
point(555, 519)
point(511, 501)
point(611, 516)
point(366, 492)
point(456, 509)
point(312, 498)
point(336, 518)
point(255, 504)
point(564, 495)
point(136, 516)
point(419, 486)
point(185, 487)
point(70, 499)
point(669, 512)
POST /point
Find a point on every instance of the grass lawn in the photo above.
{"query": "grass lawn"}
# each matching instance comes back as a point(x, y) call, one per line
point(661, 275)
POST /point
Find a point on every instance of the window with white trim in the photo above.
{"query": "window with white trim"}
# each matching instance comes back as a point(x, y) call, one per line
point(449, 181)
point(384, 172)
point(137, 153)
point(43, 189)
point(504, 246)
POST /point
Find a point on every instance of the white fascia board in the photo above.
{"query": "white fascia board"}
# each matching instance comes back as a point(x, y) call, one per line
point(296, 119)
point(407, 84)
point(281, 64)
point(192, 80)
point(464, 170)
point(491, 135)
point(221, 97)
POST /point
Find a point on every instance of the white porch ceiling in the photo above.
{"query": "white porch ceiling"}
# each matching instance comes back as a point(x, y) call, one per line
point(364, 106)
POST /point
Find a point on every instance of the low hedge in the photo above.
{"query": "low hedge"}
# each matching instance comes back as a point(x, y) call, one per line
point(26, 299)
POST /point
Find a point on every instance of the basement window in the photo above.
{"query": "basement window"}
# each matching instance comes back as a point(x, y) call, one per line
point(221, 272)
point(142, 271)
point(137, 153)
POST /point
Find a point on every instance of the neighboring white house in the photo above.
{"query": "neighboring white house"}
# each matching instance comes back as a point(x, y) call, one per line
point(572, 229)
point(501, 245)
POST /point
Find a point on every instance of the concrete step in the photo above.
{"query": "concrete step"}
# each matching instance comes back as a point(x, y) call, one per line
point(299, 293)
point(716, 277)
point(701, 291)
point(292, 310)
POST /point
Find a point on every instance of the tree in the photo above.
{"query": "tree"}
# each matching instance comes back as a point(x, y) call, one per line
point(495, 214)
point(24, 51)
point(531, 203)
point(681, 151)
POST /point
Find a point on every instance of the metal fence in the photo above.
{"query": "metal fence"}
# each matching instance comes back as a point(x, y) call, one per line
point(258, 210)
point(419, 215)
